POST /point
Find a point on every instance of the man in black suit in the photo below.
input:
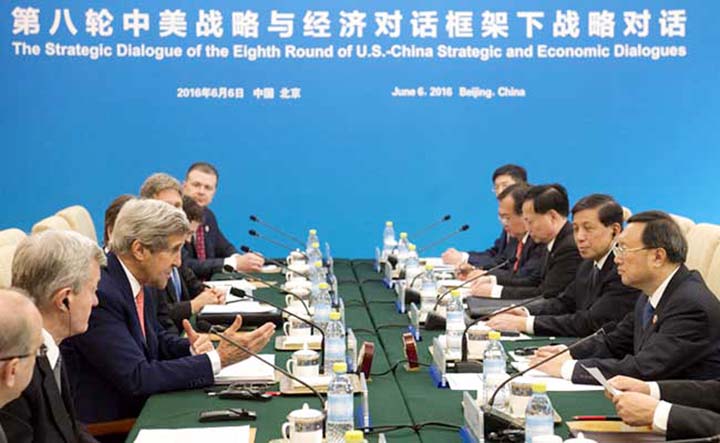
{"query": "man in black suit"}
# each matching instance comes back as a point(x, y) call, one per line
point(504, 246)
point(545, 210)
point(210, 251)
point(673, 330)
point(678, 408)
point(20, 341)
point(596, 297)
point(184, 294)
point(60, 270)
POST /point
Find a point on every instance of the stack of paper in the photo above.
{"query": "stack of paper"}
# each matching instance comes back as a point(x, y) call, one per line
point(225, 434)
point(250, 370)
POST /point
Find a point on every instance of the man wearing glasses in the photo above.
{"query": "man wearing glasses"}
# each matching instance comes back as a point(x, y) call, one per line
point(20, 340)
point(673, 331)
point(60, 270)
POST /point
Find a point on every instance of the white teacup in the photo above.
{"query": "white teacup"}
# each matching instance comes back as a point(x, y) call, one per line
point(304, 363)
point(296, 304)
point(520, 393)
point(303, 426)
point(293, 327)
point(296, 257)
point(477, 341)
point(295, 283)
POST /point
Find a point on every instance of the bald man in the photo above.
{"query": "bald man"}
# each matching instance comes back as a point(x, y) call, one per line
point(20, 340)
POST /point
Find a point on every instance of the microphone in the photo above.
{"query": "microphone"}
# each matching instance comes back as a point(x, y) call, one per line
point(465, 366)
point(257, 220)
point(240, 293)
point(254, 233)
point(435, 321)
point(443, 239)
point(429, 227)
point(280, 264)
point(600, 331)
point(229, 268)
point(217, 331)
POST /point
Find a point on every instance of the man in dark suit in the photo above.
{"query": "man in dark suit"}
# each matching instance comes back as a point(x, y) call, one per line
point(504, 246)
point(672, 332)
point(184, 294)
point(20, 341)
point(545, 211)
point(61, 270)
point(678, 408)
point(596, 297)
point(126, 356)
point(210, 251)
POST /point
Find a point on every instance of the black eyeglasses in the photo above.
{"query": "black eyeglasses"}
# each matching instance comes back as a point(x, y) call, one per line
point(41, 352)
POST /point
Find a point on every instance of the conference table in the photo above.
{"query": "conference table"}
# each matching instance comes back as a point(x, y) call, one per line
point(398, 398)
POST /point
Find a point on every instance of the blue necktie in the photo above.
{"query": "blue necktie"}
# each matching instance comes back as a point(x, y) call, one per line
point(175, 277)
point(648, 312)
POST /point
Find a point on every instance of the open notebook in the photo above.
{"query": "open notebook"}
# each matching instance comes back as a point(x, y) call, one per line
point(250, 370)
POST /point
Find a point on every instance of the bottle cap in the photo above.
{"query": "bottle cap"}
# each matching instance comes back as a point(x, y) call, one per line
point(318, 264)
point(315, 245)
point(313, 232)
point(354, 436)
point(403, 235)
point(428, 267)
point(323, 285)
point(339, 367)
point(455, 293)
point(389, 224)
point(335, 315)
point(494, 335)
point(412, 247)
point(539, 388)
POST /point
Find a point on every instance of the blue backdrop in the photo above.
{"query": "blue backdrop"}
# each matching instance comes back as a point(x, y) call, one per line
point(346, 155)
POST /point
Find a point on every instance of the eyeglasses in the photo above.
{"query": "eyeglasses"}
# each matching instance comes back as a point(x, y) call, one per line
point(620, 250)
point(41, 352)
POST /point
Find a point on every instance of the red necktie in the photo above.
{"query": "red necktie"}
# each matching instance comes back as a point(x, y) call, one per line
point(200, 243)
point(140, 305)
point(518, 253)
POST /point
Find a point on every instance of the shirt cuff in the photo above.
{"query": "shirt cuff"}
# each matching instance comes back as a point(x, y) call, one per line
point(567, 369)
point(465, 258)
point(231, 261)
point(661, 416)
point(654, 390)
point(496, 291)
point(530, 325)
point(215, 361)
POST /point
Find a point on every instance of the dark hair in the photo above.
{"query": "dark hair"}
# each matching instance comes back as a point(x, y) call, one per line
point(194, 211)
point(203, 167)
point(661, 231)
point(548, 197)
point(609, 211)
point(111, 214)
point(517, 192)
point(517, 172)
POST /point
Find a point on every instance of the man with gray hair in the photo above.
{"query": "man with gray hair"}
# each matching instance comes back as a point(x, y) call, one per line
point(126, 356)
point(161, 186)
point(60, 270)
point(20, 340)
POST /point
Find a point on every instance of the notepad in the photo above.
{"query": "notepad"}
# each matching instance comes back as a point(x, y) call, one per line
point(250, 370)
point(225, 434)
point(237, 308)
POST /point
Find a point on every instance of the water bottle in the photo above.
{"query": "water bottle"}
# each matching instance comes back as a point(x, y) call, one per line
point(321, 306)
point(455, 323)
point(428, 290)
point(313, 253)
point(317, 276)
point(412, 265)
point(334, 342)
point(329, 259)
point(340, 417)
point(312, 238)
point(388, 239)
point(494, 372)
point(403, 249)
point(538, 414)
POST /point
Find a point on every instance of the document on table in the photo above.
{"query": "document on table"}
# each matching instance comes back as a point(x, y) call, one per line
point(597, 375)
point(464, 382)
point(248, 370)
point(554, 384)
point(225, 434)
point(239, 307)
point(240, 284)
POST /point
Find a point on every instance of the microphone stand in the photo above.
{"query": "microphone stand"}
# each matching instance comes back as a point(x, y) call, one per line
point(254, 233)
point(447, 237)
point(267, 283)
point(429, 227)
point(256, 219)
point(280, 264)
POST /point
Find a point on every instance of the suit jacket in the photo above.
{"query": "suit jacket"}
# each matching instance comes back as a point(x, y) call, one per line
point(498, 252)
point(171, 311)
point(696, 408)
point(561, 265)
point(113, 368)
point(41, 414)
point(217, 248)
point(529, 268)
point(682, 342)
point(582, 309)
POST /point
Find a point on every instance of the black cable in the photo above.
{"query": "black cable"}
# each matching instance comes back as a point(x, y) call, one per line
point(416, 427)
point(381, 301)
point(393, 367)
point(391, 325)
point(365, 331)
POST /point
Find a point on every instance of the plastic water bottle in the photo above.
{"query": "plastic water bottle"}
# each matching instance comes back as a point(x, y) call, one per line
point(412, 265)
point(334, 342)
point(340, 417)
point(388, 239)
point(455, 324)
point(312, 238)
point(428, 290)
point(403, 249)
point(321, 306)
point(313, 253)
point(538, 414)
point(317, 276)
point(494, 372)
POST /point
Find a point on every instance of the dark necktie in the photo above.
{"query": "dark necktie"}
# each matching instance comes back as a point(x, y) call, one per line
point(648, 313)
point(200, 243)
point(594, 278)
point(57, 373)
